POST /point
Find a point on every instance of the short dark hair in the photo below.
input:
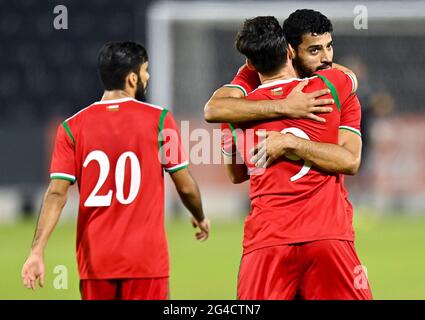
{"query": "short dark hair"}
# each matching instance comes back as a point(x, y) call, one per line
point(305, 21)
point(261, 40)
point(116, 60)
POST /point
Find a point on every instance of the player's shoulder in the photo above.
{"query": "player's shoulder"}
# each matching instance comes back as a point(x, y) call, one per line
point(148, 106)
point(330, 72)
point(153, 111)
point(114, 105)
point(80, 113)
point(275, 89)
point(131, 102)
point(259, 94)
point(340, 80)
point(333, 75)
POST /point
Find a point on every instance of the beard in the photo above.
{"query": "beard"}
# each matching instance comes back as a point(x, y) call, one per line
point(324, 66)
point(141, 91)
point(307, 71)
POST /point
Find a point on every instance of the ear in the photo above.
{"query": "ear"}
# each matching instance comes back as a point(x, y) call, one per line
point(132, 80)
point(291, 52)
point(250, 65)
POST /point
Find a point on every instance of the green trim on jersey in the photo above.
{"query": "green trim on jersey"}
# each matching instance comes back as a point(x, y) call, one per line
point(160, 128)
point(351, 129)
point(60, 177)
point(333, 90)
point(178, 167)
point(235, 137)
point(236, 86)
point(68, 131)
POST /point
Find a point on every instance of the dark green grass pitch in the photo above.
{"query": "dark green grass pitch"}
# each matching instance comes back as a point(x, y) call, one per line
point(392, 249)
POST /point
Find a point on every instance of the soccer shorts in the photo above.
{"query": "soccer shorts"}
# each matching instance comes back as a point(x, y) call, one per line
point(317, 270)
point(125, 289)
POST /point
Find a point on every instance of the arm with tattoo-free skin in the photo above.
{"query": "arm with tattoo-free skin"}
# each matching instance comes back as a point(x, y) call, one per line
point(53, 203)
point(344, 157)
point(236, 169)
point(190, 195)
point(227, 105)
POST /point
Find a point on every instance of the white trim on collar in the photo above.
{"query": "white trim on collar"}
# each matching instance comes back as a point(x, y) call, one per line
point(277, 82)
point(113, 101)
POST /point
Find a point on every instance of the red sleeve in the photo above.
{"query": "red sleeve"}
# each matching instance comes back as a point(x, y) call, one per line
point(63, 158)
point(246, 80)
point(351, 113)
point(228, 147)
point(338, 80)
point(173, 155)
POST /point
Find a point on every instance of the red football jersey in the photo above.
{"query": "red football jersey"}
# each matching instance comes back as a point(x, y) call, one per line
point(113, 149)
point(247, 81)
point(291, 201)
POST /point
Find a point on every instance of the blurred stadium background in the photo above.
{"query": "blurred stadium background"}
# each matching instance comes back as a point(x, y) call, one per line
point(47, 75)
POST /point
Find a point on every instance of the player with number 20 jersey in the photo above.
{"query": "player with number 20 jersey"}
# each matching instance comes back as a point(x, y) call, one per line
point(117, 150)
point(116, 163)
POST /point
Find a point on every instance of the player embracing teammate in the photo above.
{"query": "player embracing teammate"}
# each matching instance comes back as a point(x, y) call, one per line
point(298, 237)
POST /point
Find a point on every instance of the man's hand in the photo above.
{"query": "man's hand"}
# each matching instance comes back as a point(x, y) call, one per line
point(344, 157)
point(275, 145)
point(32, 270)
point(204, 227)
point(227, 105)
point(301, 105)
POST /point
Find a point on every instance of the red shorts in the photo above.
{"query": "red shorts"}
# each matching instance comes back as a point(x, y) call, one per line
point(125, 289)
point(325, 269)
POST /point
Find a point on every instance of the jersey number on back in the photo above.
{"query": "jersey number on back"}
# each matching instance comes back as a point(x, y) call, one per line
point(95, 200)
point(307, 164)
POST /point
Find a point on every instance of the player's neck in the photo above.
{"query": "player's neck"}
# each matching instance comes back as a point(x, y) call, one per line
point(115, 95)
point(285, 73)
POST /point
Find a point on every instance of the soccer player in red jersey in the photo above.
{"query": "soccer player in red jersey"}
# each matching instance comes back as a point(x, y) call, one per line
point(115, 150)
point(298, 237)
point(310, 35)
